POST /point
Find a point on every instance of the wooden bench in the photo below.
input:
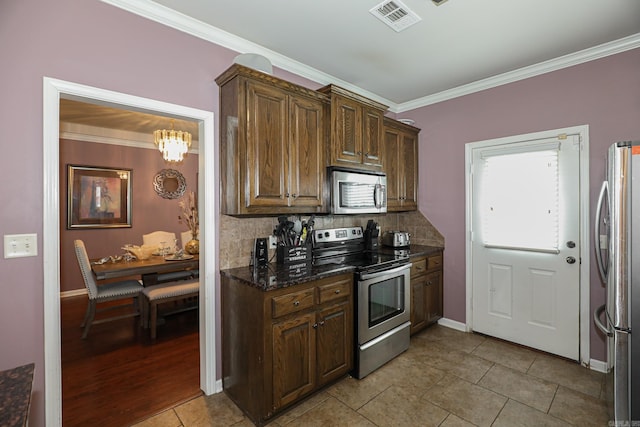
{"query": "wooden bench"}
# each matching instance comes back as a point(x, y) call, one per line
point(153, 296)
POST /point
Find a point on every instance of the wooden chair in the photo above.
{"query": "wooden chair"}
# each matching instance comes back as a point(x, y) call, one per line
point(165, 293)
point(122, 290)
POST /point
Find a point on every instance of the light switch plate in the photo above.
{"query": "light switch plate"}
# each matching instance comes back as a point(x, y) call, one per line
point(20, 245)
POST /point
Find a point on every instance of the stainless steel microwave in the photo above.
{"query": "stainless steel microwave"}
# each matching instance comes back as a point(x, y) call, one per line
point(357, 192)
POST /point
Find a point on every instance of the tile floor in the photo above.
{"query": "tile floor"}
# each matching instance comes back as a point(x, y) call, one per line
point(447, 378)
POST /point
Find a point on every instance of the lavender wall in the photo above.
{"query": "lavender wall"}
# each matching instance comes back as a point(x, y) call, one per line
point(92, 43)
point(150, 212)
point(604, 94)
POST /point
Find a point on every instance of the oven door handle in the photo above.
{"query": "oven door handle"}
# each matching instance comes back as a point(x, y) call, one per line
point(366, 276)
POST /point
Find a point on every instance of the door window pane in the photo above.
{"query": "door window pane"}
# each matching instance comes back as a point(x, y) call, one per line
point(519, 200)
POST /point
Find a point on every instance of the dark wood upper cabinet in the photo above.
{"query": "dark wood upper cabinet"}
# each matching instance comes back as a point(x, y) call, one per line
point(355, 130)
point(272, 145)
point(400, 153)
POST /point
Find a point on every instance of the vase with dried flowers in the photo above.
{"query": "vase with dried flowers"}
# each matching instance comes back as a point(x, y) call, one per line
point(189, 216)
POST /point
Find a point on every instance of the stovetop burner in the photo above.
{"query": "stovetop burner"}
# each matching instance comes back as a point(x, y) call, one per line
point(346, 246)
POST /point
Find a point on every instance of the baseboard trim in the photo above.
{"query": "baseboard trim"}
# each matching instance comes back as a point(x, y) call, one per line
point(453, 324)
point(73, 293)
point(598, 366)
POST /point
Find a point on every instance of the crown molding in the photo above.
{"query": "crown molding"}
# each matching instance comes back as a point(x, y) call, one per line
point(99, 135)
point(169, 17)
point(576, 58)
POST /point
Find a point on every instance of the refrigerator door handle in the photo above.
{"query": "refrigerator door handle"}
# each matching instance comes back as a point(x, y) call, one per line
point(596, 237)
point(597, 315)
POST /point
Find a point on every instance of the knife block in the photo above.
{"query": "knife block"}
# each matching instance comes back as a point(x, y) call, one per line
point(371, 239)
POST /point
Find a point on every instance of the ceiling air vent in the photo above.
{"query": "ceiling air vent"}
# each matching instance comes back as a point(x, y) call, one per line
point(395, 14)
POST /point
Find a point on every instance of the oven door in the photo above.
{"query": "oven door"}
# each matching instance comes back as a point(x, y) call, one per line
point(383, 301)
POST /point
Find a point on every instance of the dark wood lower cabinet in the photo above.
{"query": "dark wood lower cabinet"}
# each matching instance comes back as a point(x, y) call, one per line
point(280, 346)
point(426, 291)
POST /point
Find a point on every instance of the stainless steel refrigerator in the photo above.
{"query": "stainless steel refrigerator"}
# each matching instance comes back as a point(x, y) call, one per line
point(617, 237)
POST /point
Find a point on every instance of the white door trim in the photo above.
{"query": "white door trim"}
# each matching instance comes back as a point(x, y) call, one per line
point(52, 91)
point(585, 247)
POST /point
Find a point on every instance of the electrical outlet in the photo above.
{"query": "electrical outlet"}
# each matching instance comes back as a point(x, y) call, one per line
point(20, 245)
point(273, 242)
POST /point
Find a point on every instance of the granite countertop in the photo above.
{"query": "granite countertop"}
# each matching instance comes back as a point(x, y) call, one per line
point(15, 395)
point(276, 276)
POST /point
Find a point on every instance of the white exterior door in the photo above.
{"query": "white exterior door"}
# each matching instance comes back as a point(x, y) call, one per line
point(525, 242)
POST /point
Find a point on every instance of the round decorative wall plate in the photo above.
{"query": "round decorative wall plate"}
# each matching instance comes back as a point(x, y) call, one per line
point(169, 184)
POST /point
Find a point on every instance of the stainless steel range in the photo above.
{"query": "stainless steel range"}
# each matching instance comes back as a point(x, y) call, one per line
point(382, 294)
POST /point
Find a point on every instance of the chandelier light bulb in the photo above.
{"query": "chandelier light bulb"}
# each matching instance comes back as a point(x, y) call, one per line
point(173, 144)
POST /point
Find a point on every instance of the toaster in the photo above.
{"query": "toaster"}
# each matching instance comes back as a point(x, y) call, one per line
point(396, 239)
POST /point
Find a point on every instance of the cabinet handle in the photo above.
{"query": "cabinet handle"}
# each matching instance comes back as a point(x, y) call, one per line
point(286, 195)
point(337, 291)
point(322, 323)
point(429, 283)
point(315, 326)
point(294, 195)
point(296, 303)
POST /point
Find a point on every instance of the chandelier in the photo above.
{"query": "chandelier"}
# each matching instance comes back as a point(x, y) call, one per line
point(173, 144)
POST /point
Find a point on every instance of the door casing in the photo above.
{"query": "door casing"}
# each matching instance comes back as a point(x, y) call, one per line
point(53, 90)
point(585, 310)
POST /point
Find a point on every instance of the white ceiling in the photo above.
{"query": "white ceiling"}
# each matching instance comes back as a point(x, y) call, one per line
point(458, 47)
point(458, 43)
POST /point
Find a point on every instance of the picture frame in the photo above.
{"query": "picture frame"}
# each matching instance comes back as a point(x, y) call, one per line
point(98, 197)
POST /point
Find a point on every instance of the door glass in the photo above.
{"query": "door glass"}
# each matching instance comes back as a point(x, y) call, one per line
point(519, 200)
point(386, 300)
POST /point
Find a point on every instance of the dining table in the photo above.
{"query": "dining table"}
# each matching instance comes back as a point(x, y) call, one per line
point(148, 269)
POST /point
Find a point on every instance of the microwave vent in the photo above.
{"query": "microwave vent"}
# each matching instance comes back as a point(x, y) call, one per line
point(395, 14)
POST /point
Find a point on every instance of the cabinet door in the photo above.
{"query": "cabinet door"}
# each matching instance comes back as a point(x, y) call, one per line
point(409, 166)
point(392, 167)
point(294, 355)
point(267, 146)
point(372, 138)
point(433, 296)
point(306, 152)
point(346, 145)
point(335, 352)
point(418, 306)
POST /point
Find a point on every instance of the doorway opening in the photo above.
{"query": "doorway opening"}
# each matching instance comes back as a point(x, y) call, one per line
point(518, 284)
point(53, 91)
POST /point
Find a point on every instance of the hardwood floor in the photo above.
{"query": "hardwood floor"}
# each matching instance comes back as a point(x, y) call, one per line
point(118, 376)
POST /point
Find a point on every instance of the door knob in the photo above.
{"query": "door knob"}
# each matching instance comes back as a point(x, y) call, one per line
point(571, 244)
point(570, 260)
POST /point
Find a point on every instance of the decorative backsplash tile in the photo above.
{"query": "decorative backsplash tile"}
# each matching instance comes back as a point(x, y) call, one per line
point(237, 235)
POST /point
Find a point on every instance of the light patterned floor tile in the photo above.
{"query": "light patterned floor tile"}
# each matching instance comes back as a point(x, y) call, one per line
point(516, 385)
point(398, 406)
point(466, 400)
point(566, 373)
point(164, 419)
point(331, 412)
point(579, 409)
point(506, 354)
point(515, 414)
point(214, 410)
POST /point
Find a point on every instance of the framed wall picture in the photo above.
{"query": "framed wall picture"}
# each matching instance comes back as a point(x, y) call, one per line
point(98, 197)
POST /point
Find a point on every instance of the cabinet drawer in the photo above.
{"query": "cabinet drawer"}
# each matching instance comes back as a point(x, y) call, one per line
point(434, 261)
point(419, 267)
point(292, 302)
point(335, 290)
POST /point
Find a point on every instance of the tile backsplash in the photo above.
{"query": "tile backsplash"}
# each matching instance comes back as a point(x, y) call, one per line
point(237, 235)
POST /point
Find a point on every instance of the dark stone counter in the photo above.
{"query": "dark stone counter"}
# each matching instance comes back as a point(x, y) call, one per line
point(15, 395)
point(277, 276)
